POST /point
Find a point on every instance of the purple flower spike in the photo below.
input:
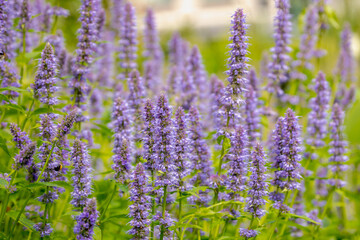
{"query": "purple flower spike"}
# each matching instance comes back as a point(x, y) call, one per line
point(252, 119)
point(66, 124)
point(176, 51)
point(279, 66)
point(338, 147)
point(44, 229)
point(20, 138)
point(122, 117)
point(182, 149)
point(254, 82)
point(7, 35)
point(164, 144)
point(151, 38)
point(86, 221)
point(317, 118)
point(128, 41)
point(238, 157)
point(149, 136)
point(286, 153)
point(174, 81)
point(86, 48)
point(139, 210)
point(81, 174)
point(247, 233)
point(188, 93)
point(117, 14)
point(10, 78)
point(200, 156)
point(257, 183)
point(216, 92)
point(45, 79)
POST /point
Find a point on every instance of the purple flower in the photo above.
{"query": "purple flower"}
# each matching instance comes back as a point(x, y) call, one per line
point(151, 38)
point(128, 41)
point(66, 124)
point(199, 156)
point(20, 138)
point(188, 93)
point(216, 92)
point(164, 144)
point(96, 103)
point(44, 229)
point(252, 119)
point(247, 233)
point(117, 14)
point(337, 147)
point(86, 221)
point(81, 176)
point(149, 136)
point(122, 117)
point(286, 154)
point(166, 221)
point(176, 51)
point(45, 79)
point(10, 78)
point(86, 48)
point(279, 66)
point(181, 149)
point(257, 183)
point(7, 35)
point(254, 82)
point(57, 41)
point(139, 210)
point(317, 118)
point(174, 81)
point(238, 157)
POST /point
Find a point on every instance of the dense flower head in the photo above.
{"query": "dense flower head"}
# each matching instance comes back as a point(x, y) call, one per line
point(45, 79)
point(149, 136)
point(151, 38)
point(199, 156)
point(86, 48)
point(139, 210)
point(128, 41)
point(7, 34)
point(317, 118)
point(57, 41)
point(257, 183)
point(279, 67)
point(254, 81)
point(174, 81)
point(237, 62)
point(10, 78)
point(337, 146)
point(216, 92)
point(166, 221)
point(117, 14)
point(66, 124)
point(252, 118)
point(81, 174)
point(164, 144)
point(19, 137)
point(176, 51)
point(286, 154)
point(247, 233)
point(122, 157)
point(181, 148)
point(86, 221)
point(44, 229)
point(25, 156)
point(121, 117)
point(188, 93)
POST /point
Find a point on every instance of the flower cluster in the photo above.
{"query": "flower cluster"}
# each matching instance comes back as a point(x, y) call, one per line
point(86, 221)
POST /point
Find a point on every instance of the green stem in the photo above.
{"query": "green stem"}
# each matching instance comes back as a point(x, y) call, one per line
point(18, 216)
point(152, 236)
point(47, 161)
point(163, 213)
point(108, 203)
point(3, 210)
point(272, 230)
point(180, 208)
point(28, 114)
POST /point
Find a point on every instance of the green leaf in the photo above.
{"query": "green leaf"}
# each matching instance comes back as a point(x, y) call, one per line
point(4, 146)
point(4, 98)
point(22, 220)
point(13, 106)
point(15, 89)
point(123, 187)
point(61, 184)
point(303, 217)
point(97, 233)
point(220, 139)
point(226, 145)
point(104, 129)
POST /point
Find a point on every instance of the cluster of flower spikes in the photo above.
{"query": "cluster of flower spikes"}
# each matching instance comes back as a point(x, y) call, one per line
point(123, 149)
point(237, 73)
point(149, 144)
point(128, 41)
point(280, 53)
point(27, 150)
point(86, 221)
point(317, 118)
point(182, 149)
point(238, 158)
point(45, 79)
point(337, 147)
point(86, 48)
point(199, 158)
point(286, 154)
point(81, 174)
point(164, 147)
point(139, 209)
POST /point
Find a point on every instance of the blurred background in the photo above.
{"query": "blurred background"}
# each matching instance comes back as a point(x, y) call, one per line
point(206, 23)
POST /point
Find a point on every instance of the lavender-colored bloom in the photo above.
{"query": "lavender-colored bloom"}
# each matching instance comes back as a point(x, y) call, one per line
point(176, 51)
point(254, 82)
point(151, 78)
point(216, 92)
point(139, 210)
point(308, 41)
point(167, 221)
point(8, 186)
point(25, 157)
point(9, 77)
point(136, 98)
point(346, 63)
point(128, 41)
point(57, 41)
point(252, 119)
point(337, 147)
point(45, 79)
point(96, 105)
point(286, 157)
point(174, 81)
point(149, 136)
point(317, 118)
point(257, 183)
point(151, 38)
point(81, 174)
point(164, 144)
point(86, 48)
point(181, 149)
point(247, 233)
point(66, 124)
point(86, 221)
point(280, 53)
point(188, 93)
point(117, 14)
point(199, 156)
point(20, 138)
point(238, 157)
point(7, 35)
point(44, 229)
